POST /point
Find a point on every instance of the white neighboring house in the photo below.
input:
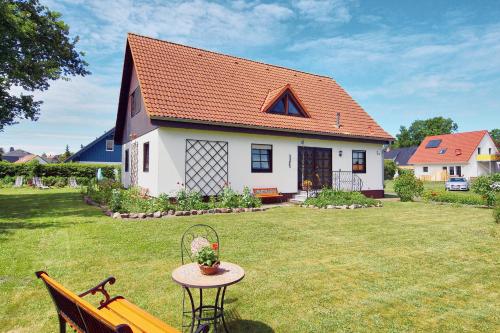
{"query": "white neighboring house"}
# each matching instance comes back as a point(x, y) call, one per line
point(468, 154)
point(199, 119)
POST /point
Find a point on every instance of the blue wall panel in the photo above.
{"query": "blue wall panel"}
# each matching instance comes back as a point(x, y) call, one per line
point(96, 152)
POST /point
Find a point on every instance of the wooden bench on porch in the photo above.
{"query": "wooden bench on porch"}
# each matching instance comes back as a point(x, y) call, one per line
point(268, 193)
point(114, 314)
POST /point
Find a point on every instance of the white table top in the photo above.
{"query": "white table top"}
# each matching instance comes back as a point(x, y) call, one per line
point(190, 276)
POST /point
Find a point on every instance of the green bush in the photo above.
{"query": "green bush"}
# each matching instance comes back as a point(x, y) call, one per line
point(339, 198)
point(189, 200)
point(7, 181)
point(77, 170)
point(248, 200)
point(102, 191)
point(407, 186)
point(487, 187)
point(229, 198)
point(451, 197)
point(390, 168)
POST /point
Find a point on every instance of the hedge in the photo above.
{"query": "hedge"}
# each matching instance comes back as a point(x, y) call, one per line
point(451, 197)
point(55, 170)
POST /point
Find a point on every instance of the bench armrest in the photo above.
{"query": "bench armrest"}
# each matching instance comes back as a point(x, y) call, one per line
point(100, 288)
point(202, 329)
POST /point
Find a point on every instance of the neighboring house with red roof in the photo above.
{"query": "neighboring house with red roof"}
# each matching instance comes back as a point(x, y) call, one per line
point(204, 119)
point(32, 157)
point(468, 154)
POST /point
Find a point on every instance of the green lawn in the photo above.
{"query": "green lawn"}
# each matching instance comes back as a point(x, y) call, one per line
point(406, 267)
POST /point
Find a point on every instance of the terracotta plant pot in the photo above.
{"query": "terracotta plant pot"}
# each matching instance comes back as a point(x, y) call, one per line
point(209, 270)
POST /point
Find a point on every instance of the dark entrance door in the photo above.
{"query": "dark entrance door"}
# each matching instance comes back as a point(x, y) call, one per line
point(315, 164)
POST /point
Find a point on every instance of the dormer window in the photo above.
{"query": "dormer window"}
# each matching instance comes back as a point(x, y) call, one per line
point(283, 101)
point(287, 105)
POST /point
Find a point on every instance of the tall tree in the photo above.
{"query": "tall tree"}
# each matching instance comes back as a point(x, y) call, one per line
point(67, 153)
point(1, 153)
point(35, 49)
point(419, 129)
point(495, 134)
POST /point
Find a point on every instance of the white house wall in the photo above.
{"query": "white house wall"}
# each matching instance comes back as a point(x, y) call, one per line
point(148, 179)
point(167, 159)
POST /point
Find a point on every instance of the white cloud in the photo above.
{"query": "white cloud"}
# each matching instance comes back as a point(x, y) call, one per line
point(199, 22)
point(324, 10)
point(411, 64)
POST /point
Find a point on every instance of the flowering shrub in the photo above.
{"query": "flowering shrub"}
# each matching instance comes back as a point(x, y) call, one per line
point(188, 200)
point(248, 200)
point(407, 186)
point(229, 198)
point(208, 255)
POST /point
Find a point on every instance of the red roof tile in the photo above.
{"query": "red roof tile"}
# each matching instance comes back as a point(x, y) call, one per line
point(185, 83)
point(459, 148)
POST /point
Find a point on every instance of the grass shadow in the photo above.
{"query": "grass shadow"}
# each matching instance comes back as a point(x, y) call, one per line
point(236, 324)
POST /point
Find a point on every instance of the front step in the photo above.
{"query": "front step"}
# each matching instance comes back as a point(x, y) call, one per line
point(300, 197)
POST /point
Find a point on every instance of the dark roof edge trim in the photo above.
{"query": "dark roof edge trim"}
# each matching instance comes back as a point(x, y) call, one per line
point(197, 124)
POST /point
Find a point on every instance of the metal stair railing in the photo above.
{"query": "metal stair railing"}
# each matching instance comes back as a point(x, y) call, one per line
point(346, 181)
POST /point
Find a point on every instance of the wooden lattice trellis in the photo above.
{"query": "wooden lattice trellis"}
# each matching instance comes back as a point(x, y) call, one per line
point(206, 166)
point(134, 163)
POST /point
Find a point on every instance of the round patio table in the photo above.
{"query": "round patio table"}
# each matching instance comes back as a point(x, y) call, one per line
point(189, 277)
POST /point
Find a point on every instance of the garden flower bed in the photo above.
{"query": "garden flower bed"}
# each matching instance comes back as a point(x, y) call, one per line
point(133, 203)
point(332, 199)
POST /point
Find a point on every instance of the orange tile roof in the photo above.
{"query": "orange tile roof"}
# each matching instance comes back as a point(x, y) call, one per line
point(459, 148)
point(185, 83)
point(26, 158)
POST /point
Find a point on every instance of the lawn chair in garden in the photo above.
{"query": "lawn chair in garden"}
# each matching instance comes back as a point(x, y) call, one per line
point(19, 181)
point(72, 182)
point(37, 182)
point(194, 239)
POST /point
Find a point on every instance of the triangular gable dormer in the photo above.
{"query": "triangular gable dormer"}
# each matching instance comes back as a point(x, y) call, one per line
point(284, 101)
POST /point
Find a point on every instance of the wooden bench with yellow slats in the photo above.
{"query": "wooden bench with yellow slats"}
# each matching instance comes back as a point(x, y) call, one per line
point(114, 314)
point(268, 193)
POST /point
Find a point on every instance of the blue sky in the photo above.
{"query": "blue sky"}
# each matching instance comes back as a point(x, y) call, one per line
point(401, 60)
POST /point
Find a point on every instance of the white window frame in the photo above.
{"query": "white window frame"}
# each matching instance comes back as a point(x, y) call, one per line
point(113, 145)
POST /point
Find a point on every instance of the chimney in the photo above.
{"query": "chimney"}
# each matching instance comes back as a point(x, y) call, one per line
point(11, 149)
point(338, 119)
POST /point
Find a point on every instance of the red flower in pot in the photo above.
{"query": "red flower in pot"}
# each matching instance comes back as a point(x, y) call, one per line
point(208, 259)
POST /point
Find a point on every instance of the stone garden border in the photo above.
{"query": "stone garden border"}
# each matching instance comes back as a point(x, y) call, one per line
point(170, 213)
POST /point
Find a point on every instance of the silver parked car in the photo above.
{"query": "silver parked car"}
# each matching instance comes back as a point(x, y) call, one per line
point(457, 184)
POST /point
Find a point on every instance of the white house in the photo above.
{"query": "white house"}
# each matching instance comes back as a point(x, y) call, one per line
point(468, 154)
point(199, 119)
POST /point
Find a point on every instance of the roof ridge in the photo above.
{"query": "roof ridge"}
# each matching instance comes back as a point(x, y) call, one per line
point(459, 133)
point(232, 56)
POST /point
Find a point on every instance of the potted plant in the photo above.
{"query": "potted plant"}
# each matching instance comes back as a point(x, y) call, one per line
point(208, 259)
